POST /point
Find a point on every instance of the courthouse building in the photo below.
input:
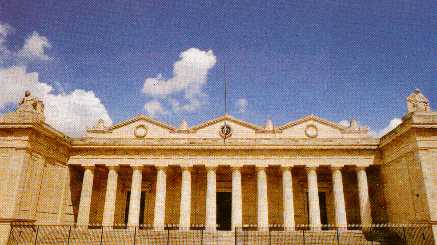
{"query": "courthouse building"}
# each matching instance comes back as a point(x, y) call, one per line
point(219, 174)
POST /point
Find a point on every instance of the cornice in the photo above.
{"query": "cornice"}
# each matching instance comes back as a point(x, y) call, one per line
point(190, 143)
point(42, 128)
point(426, 120)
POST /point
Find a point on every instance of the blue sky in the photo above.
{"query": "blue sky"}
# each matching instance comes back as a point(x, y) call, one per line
point(286, 59)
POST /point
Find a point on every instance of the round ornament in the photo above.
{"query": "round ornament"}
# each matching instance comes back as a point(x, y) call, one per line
point(140, 131)
point(225, 131)
point(311, 131)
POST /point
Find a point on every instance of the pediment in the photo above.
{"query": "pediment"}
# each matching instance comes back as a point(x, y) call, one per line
point(311, 127)
point(227, 118)
point(141, 118)
point(212, 127)
point(129, 128)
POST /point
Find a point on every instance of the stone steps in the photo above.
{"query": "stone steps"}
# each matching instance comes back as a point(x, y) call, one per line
point(56, 235)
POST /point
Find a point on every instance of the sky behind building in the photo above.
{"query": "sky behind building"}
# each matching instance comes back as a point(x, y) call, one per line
point(284, 59)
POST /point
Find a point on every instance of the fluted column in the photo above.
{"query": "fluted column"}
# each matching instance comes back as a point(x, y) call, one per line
point(211, 199)
point(110, 196)
point(313, 199)
point(83, 216)
point(340, 208)
point(161, 190)
point(263, 207)
point(185, 208)
point(135, 196)
point(237, 207)
point(288, 202)
point(363, 192)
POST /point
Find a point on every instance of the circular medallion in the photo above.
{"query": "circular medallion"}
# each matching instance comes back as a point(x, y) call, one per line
point(311, 131)
point(140, 131)
point(225, 131)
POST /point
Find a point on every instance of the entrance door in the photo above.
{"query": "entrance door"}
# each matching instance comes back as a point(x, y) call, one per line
point(142, 204)
point(323, 209)
point(224, 210)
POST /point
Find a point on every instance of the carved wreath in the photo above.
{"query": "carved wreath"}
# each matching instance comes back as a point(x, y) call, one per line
point(140, 131)
point(225, 131)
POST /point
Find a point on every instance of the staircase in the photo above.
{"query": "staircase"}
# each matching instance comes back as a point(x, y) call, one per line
point(108, 236)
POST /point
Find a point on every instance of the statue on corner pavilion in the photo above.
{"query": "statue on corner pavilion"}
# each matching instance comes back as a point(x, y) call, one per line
point(30, 104)
point(417, 102)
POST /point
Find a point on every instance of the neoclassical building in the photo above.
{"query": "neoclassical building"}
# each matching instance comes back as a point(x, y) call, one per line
point(221, 174)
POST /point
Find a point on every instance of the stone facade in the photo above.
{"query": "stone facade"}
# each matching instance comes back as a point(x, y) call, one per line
point(141, 171)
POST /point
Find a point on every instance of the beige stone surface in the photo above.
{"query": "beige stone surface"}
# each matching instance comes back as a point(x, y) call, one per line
point(42, 177)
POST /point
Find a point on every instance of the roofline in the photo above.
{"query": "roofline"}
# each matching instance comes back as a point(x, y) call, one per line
point(137, 118)
point(222, 118)
point(312, 117)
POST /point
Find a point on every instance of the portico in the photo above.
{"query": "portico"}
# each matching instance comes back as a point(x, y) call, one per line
point(191, 198)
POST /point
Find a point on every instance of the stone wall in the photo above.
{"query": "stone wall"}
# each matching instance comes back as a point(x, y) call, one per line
point(403, 181)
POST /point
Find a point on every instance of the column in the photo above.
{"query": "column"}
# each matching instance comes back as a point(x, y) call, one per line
point(263, 207)
point(83, 217)
point(339, 204)
point(313, 199)
point(185, 208)
point(135, 196)
point(110, 196)
point(363, 192)
point(161, 189)
point(211, 208)
point(288, 202)
point(237, 207)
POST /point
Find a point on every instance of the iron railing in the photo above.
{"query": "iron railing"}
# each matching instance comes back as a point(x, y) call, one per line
point(274, 235)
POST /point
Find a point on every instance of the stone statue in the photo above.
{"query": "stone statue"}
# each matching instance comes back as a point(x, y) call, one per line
point(417, 102)
point(100, 125)
point(30, 104)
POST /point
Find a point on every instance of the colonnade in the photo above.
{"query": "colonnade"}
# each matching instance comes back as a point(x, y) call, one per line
point(237, 207)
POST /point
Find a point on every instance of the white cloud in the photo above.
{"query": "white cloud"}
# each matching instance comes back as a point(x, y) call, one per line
point(70, 113)
point(74, 112)
point(154, 108)
point(190, 74)
point(34, 47)
point(241, 105)
point(393, 124)
point(15, 80)
point(5, 29)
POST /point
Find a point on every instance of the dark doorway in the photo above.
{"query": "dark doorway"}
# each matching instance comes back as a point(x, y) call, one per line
point(142, 205)
point(224, 210)
point(323, 209)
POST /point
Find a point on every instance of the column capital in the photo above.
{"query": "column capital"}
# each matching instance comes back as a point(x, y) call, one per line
point(211, 167)
point(161, 167)
point(359, 168)
point(309, 168)
point(186, 167)
point(88, 166)
point(113, 167)
point(236, 167)
point(337, 167)
point(137, 166)
point(286, 167)
point(261, 167)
